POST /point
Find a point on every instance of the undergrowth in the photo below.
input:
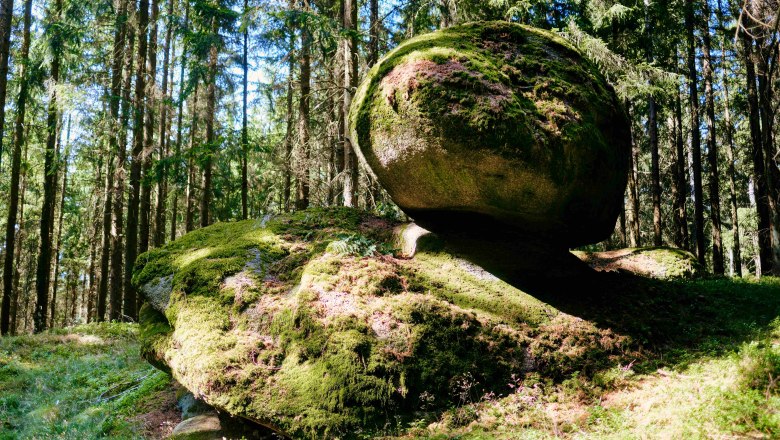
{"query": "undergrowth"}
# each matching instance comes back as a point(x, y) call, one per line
point(77, 383)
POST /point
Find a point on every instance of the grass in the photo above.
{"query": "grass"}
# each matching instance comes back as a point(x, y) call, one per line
point(78, 383)
point(709, 367)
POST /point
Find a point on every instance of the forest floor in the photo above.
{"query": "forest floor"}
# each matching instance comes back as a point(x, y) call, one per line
point(83, 382)
point(709, 368)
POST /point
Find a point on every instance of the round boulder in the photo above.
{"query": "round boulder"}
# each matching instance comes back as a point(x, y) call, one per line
point(494, 128)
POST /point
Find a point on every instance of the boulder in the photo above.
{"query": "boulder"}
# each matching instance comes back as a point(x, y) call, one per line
point(495, 129)
point(314, 325)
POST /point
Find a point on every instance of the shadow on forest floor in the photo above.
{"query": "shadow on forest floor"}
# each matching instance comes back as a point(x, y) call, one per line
point(677, 320)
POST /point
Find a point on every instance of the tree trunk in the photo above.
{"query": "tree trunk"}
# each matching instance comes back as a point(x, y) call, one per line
point(133, 201)
point(162, 183)
point(373, 33)
point(179, 122)
point(730, 170)
point(116, 288)
point(681, 238)
point(288, 138)
point(211, 109)
point(19, 240)
point(652, 134)
point(16, 168)
point(633, 193)
point(145, 212)
point(189, 218)
point(244, 122)
point(6, 18)
point(712, 147)
point(701, 246)
point(759, 178)
point(304, 114)
point(58, 245)
point(350, 84)
point(43, 268)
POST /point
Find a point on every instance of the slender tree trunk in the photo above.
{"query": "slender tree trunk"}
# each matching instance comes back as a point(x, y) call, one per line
point(58, 245)
point(304, 114)
point(162, 183)
point(373, 33)
point(652, 134)
point(19, 240)
point(179, 124)
point(6, 16)
point(350, 84)
point(712, 147)
point(759, 178)
point(701, 246)
point(771, 173)
point(117, 233)
point(731, 171)
point(43, 268)
point(189, 220)
point(145, 212)
point(133, 202)
point(211, 109)
point(288, 139)
point(244, 124)
point(16, 169)
point(633, 194)
point(681, 238)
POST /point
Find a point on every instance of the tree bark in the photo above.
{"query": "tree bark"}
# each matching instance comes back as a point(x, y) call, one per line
point(350, 84)
point(681, 239)
point(162, 183)
point(634, 235)
point(189, 217)
point(117, 233)
point(145, 211)
point(43, 268)
point(712, 147)
point(304, 110)
point(16, 168)
point(6, 16)
point(211, 109)
point(58, 245)
point(373, 33)
point(133, 202)
point(179, 125)
point(288, 138)
point(759, 178)
point(701, 246)
point(244, 122)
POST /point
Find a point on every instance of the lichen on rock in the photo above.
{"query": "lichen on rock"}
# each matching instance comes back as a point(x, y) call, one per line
point(321, 344)
point(495, 123)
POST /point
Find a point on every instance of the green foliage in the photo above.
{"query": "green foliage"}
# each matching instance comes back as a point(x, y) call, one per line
point(81, 382)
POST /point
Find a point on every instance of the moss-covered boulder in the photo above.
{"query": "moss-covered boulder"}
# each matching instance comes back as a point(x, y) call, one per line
point(495, 127)
point(308, 324)
point(653, 262)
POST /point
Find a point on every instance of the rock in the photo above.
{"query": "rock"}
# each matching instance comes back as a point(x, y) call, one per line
point(653, 262)
point(495, 129)
point(200, 427)
point(328, 341)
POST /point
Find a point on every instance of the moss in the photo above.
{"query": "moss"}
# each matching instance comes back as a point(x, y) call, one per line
point(317, 344)
point(497, 119)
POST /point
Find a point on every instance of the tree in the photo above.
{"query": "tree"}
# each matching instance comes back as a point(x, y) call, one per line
point(43, 271)
point(16, 165)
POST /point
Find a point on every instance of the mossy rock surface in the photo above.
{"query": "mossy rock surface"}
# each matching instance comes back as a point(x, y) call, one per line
point(496, 126)
point(304, 324)
point(654, 262)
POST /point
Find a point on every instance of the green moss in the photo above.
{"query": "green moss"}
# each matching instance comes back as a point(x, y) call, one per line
point(265, 322)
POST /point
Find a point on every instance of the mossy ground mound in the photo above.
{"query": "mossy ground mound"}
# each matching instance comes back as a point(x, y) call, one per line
point(654, 262)
point(307, 324)
point(497, 125)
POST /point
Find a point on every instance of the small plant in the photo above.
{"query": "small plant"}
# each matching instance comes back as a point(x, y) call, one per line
point(359, 245)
